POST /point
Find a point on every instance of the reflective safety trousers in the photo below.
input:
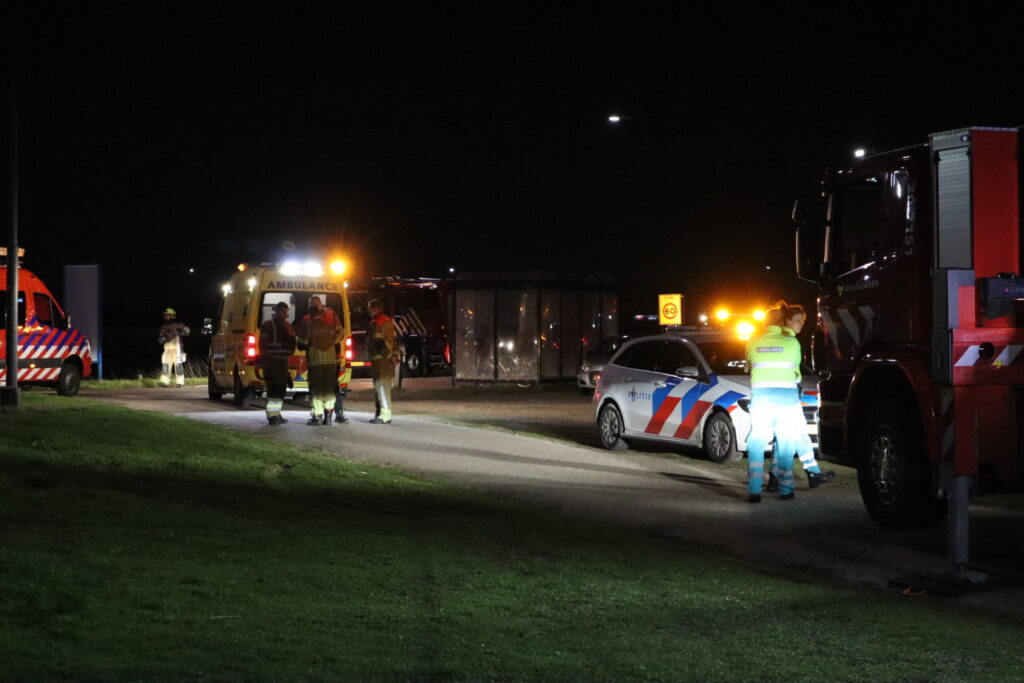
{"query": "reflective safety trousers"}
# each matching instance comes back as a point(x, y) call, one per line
point(772, 415)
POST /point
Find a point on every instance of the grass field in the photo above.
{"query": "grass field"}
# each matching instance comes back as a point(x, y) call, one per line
point(143, 546)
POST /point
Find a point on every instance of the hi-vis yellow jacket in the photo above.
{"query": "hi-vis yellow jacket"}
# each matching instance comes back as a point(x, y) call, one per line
point(774, 359)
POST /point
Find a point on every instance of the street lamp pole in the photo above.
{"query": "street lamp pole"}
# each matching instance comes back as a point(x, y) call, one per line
point(10, 394)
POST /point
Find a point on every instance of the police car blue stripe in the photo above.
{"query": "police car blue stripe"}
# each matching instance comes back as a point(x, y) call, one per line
point(728, 398)
point(691, 397)
point(661, 394)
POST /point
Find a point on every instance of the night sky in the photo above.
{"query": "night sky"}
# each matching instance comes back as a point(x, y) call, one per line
point(163, 136)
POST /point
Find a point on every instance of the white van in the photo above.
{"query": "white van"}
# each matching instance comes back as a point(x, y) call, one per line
point(249, 299)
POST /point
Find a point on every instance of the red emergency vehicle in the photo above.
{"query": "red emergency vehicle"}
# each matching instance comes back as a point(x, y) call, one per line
point(419, 307)
point(917, 257)
point(50, 350)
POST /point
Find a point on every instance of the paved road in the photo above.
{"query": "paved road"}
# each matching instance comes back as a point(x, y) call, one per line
point(822, 532)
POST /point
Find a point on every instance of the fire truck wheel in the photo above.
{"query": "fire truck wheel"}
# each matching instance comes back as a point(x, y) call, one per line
point(212, 391)
point(241, 393)
point(414, 364)
point(891, 470)
point(69, 381)
point(609, 427)
point(720, 439)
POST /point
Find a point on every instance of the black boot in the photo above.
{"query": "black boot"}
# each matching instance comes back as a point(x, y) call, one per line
point(773, 483)
point(816, 479)
point(339, 414)
point(313, 420)
point(327, 417)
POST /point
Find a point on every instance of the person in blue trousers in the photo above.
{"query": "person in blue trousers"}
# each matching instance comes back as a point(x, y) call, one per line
point(774, 359)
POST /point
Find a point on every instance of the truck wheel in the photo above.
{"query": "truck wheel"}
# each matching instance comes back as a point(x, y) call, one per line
point(609, 428)
point(720, 439)
point(241, 393)
point(891, 469)
point(212, 391)
point(414, 364)
point(70, 380)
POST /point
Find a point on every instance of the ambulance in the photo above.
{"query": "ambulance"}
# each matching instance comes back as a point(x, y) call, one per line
point(50, 351)
point(249, 299)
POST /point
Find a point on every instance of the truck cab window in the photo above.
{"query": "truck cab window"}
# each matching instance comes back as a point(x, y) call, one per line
point(44, 309)
point(858, 220)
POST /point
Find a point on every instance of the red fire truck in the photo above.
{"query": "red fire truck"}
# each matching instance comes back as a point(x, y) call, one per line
point(917, 257)
point(419, 306)
point(50, 350)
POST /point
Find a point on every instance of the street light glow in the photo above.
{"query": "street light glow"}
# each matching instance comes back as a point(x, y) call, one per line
point(859, 153)
point(614, 118)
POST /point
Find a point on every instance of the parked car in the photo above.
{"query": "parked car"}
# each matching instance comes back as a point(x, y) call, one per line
point(690, 388)
point(593, 363)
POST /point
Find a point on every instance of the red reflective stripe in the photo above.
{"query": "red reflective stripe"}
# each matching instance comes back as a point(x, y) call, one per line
point(664, 411)
point(689, 422)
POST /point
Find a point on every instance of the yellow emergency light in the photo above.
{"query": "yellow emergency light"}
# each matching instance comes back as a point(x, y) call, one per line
point(338, 266)
point(722, 314)
point(759, 314)
point(744, 330)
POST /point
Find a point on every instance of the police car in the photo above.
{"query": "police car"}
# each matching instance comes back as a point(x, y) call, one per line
point(690, 388)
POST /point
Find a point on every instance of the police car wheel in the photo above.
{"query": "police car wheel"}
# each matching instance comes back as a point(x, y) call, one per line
point(69, 381)
point(609, 427)
point(720, 439)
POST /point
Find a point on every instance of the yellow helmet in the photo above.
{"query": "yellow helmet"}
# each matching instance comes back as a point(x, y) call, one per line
point(170, 312)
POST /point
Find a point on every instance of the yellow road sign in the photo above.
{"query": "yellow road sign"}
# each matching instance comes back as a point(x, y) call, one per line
point(670, 309)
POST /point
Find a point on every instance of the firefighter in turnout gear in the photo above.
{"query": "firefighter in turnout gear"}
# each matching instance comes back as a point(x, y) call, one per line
point(319, 336)
point(277, 342)
point(382, 349)
point(173, 359)
point(774, 360)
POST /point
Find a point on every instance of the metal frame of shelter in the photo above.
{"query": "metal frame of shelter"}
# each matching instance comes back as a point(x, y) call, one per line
point(528, 328)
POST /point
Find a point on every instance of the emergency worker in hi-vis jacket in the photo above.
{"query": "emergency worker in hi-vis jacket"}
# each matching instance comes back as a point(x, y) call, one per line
point(382, 349)
point(774, 359)
point(173, 359)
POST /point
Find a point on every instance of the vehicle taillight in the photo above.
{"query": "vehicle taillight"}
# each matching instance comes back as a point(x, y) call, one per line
point(447, 354)
point(348, 348)
point(251, 350)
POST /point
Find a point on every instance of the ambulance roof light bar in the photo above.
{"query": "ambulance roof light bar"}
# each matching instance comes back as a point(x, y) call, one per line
point(309, 268)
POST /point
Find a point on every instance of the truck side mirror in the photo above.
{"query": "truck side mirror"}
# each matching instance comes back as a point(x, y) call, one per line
point(207, 326)
point(809, 252)
point(799, 214)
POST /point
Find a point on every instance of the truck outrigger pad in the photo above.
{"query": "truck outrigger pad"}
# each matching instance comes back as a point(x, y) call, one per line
point(956, 584)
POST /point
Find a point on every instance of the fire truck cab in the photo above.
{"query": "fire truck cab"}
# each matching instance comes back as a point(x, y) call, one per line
point(419, 307)
point(50, 350)
point(917, 257)
point(249, 299)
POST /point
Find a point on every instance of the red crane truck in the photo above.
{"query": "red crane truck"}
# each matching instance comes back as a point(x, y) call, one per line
point(920, 325)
